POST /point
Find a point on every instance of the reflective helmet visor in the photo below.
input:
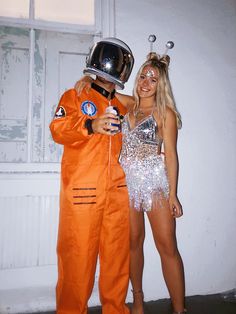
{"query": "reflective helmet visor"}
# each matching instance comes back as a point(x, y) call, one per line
point(111, 59)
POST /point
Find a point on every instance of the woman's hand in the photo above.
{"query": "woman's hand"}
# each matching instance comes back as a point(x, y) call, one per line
point(175, 206)
point(84, 82)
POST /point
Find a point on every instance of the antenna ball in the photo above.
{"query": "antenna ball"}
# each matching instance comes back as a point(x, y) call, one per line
point(152, 38)
point(170, 44)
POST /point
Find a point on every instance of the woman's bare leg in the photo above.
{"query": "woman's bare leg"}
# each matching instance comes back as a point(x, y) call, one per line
point(137, 235)
point(163, 229)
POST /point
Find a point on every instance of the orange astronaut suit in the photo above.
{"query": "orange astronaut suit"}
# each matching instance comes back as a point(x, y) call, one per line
point(94, 212)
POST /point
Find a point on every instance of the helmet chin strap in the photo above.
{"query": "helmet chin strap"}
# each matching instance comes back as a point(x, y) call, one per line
point(109, 94)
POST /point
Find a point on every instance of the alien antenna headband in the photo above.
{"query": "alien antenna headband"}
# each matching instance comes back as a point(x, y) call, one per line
point(152, 38)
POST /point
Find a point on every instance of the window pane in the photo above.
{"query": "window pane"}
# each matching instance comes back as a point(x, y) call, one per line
point(66, 11)
point(14, 80)
point(15, 8)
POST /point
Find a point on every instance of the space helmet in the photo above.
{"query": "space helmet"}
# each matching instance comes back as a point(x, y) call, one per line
point(110, 59)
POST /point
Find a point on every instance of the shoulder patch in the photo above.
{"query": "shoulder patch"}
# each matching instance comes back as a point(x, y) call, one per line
point(88, 108)
point(60, 113)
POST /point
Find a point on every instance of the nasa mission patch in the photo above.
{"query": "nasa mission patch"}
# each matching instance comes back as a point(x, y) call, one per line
point(60, 113)
point(89, 108)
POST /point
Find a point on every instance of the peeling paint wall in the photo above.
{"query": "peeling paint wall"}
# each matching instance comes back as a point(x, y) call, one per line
point(14, 79)
point(58, 62)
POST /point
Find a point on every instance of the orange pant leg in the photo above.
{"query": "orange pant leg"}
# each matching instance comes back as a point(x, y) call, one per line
point(114, 252)
point(78, 246)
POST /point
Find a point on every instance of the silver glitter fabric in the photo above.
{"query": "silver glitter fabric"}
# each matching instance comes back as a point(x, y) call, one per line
point(143, 164)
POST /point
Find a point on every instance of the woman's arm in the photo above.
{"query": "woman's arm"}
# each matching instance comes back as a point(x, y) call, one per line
point(86, 81)
point(170, 133)
point(126, 100)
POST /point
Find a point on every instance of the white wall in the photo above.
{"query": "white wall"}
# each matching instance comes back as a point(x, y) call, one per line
point(203, 73)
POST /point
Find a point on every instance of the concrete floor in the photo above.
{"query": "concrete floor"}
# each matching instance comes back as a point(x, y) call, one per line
point(208, 304)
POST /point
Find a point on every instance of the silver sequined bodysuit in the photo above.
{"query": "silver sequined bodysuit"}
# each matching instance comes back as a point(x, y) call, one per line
point(143, 164)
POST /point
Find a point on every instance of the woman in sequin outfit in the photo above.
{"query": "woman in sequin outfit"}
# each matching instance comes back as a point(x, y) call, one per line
point(152, 125)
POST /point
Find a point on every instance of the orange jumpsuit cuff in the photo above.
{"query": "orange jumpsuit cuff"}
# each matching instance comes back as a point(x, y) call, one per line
point(88, 126)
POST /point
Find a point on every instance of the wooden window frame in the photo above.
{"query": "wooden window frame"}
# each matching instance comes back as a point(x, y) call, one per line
point(104, 27)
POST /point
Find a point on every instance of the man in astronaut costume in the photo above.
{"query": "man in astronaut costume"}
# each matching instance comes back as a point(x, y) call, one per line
point(94, 206)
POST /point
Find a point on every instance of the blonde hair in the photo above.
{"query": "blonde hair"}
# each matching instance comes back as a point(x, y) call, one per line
point(164, 94)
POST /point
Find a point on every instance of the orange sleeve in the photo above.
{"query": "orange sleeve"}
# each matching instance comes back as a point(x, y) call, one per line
point(69, 128)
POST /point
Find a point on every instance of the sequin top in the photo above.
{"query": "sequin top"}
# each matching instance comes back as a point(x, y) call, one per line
point(143, 164)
